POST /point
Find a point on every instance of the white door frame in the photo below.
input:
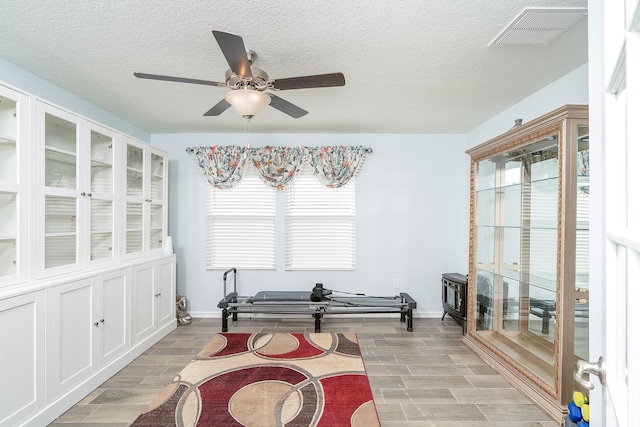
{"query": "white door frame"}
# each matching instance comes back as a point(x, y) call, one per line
point(614, 87)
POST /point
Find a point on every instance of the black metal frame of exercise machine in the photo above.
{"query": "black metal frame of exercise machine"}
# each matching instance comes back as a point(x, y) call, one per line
point(317, 303)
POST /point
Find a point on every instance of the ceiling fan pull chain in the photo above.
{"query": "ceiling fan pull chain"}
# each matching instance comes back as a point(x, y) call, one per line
point(246, 133)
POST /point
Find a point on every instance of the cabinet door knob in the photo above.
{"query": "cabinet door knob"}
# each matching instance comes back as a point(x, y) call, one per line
point(83, 194)
point(96, 324)
point(101, 320)
point(88, 194)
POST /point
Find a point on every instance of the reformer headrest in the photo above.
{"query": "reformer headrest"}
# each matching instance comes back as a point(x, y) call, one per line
point(318, 293)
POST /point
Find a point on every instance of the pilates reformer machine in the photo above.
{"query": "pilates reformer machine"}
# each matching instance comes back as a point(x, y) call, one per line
point(317, 303)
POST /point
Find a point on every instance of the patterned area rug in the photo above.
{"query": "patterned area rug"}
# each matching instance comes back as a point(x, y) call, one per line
point(265, 380)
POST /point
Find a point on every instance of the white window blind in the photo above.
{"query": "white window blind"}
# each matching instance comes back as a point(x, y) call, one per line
point(320, 226)
point(241, 225)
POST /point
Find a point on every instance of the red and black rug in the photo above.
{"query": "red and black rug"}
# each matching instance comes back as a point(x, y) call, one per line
point(264, 379)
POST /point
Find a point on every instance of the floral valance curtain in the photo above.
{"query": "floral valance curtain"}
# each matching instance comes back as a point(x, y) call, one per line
point(221, 166)
point(277, 166)
point(334, 166)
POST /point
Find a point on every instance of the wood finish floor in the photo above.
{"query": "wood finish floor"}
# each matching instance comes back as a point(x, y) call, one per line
point(425, 378)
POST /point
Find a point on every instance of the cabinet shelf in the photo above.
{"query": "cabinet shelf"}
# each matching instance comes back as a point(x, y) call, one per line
point(515, 227)
point(9, 187)
point(52, 149)
point(60, 234)
point(544, 184)
point(7, 139)
point(102, 231)
point(539, 280)
point(96, 163)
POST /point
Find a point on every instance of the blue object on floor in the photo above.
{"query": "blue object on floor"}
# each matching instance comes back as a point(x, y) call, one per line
point(575, 413)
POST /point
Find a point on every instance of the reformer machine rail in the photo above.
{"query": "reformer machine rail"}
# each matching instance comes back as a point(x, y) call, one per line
point(306, 302)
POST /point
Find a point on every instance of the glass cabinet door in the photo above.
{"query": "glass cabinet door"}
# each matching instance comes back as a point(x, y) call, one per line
point(12, 133)
point(101, 195)
point(156, 201)
point(581, 304)
point(134, 205)
point(146, 194)
point(516, 246)
point(60, 200)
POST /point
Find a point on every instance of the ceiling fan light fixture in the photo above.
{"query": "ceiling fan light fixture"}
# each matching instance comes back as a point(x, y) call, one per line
point(247, 102)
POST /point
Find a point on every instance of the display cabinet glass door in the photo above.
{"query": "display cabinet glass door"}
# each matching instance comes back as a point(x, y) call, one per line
point(581, 288)
point(12, 133)
point(516, 246)
point(61, 191)
point(101, 196)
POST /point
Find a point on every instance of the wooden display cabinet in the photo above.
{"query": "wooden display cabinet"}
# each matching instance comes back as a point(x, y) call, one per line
point(528, 254)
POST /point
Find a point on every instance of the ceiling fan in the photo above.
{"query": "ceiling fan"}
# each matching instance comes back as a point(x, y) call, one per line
point(249, 84)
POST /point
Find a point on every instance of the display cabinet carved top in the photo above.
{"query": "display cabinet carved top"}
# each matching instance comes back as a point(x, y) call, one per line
point(528, 132)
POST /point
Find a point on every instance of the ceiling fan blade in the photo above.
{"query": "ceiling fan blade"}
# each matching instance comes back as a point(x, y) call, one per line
point(218, 109)
point(286, 107)
point(305, 82)
point(179, 79)
point(234, 51)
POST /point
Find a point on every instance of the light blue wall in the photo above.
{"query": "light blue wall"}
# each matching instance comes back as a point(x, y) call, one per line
point(572, 88)
point(411, 218)
point(33, 85)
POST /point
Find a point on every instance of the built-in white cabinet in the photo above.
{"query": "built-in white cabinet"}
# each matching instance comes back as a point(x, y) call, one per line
point(22, 334)
point(88, 327)
point(146, 189)
point(165, 297)
point(153, 294)
point(84, 286)
point(71, 335)
point(111, 315)
point(69, 338)
point(14, 140)
point(76, 194)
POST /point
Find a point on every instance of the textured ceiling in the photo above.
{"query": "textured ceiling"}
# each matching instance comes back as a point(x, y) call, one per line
point(410, 66)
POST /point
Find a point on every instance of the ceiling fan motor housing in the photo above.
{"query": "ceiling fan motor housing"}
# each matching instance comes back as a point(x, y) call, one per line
point(258, 81)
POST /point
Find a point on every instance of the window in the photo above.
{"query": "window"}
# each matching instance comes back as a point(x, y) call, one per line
point(241, 225)
point(320, 226)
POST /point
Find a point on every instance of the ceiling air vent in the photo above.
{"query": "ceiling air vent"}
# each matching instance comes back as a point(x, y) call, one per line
point(539, 25)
